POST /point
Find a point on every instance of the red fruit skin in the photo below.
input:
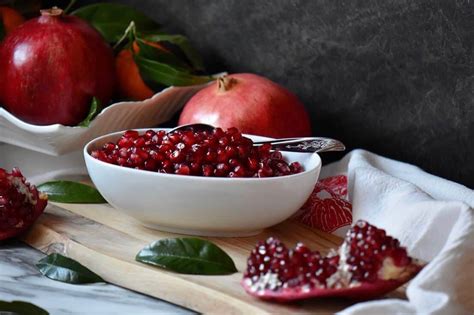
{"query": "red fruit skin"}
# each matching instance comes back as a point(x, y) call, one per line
point(51, 67)
point(365, 291)
point(253, 104)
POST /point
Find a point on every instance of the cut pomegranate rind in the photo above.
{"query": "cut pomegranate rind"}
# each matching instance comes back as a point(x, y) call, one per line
point(368, 264)
point(20, 204)
point(327, 208)
point(363, 291)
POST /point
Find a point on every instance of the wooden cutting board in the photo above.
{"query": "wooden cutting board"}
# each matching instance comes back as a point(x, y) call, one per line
point(106, 241)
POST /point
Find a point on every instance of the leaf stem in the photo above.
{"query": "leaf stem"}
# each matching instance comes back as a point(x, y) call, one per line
point(130, 31)
point(69, 6)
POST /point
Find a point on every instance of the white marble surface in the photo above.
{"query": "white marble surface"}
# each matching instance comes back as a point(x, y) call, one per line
point(20, 280)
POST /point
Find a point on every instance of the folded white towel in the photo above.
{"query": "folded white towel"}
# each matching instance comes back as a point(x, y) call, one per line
point(432, 216)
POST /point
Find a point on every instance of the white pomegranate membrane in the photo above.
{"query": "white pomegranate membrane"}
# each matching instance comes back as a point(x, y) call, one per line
point(369, 263)
point(215, 153)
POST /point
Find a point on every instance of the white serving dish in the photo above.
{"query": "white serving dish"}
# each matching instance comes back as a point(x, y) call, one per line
point(202, 205)
point(59, 140)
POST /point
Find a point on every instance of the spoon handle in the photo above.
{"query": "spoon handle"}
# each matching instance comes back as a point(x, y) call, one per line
point(309, 144)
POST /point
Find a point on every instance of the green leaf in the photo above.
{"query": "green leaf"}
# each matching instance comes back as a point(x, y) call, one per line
point(183, 43)
point(64, 269)
point(166, 74)
point(93, 111)
point(187, 255)
point(160, 55)
point(71, 192)
point(112, 19)
point(21, 308)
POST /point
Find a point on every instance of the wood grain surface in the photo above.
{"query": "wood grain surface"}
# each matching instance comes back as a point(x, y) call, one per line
point(106, 241)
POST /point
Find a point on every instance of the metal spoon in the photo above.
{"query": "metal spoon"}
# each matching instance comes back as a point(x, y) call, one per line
point(304, 144)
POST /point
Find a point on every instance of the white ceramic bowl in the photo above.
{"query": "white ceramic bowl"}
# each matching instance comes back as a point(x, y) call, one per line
point(203, 205)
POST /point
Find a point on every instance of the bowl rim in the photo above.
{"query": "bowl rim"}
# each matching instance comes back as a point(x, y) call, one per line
point(88, 157)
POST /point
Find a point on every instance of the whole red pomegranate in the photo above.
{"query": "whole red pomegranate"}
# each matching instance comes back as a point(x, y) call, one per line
point(52, 66)
point(20, 203)
point(251, 103)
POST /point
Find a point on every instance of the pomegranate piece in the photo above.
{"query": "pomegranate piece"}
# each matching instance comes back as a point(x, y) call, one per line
point(20, 203)
point(368, 264)
point(217, 153)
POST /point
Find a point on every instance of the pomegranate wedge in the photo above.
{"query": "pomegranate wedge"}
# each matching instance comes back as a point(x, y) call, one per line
point(368, 264)
point(20, 203)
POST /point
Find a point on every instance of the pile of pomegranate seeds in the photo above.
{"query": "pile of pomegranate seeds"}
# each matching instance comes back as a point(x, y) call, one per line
point(216, 153)
point(279, 267)
point(367, 256)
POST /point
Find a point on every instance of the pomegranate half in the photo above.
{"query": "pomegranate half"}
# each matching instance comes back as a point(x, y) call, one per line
point(52, 66)
point(251, 103)
point(20, 203)
point(368, 264)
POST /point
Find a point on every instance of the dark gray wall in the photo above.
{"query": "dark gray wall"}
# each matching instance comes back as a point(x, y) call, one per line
point(394, 77)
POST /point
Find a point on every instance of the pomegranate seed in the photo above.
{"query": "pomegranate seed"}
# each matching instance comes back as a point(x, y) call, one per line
point(131, 134)
point(208, 170)
point(109, 146)
point(177, 156)
point(149, 134)
point(183, 170)
point(223, 142)
point(174, 137)
point(221, 170)
point(125, 142)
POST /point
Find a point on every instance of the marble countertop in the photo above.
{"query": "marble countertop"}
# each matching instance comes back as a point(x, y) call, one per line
point(20, 280)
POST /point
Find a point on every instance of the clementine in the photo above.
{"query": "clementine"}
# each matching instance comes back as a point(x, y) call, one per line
point(130, 84)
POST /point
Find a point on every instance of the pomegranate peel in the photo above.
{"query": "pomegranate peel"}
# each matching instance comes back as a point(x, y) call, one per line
point(367, 265)
point(20, 203)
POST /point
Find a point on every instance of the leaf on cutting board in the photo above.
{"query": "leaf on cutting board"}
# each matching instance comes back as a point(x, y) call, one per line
point(60, 268)
point(21, 308)
point(166, 74)
point(187, 255)
point(112, 19)
point(71, 192)
point(182, 43)
point(93, 111)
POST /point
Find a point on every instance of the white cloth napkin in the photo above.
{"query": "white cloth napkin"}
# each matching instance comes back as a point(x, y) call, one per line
point(432, 216)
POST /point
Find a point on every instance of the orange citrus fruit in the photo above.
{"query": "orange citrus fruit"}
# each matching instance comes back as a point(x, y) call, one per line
point(130, 84)
point(10, 18)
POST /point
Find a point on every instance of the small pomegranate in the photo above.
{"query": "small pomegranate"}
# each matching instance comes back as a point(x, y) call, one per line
point(368, 264)
point(251, 103)
point(52, 66)
point(20, 203)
